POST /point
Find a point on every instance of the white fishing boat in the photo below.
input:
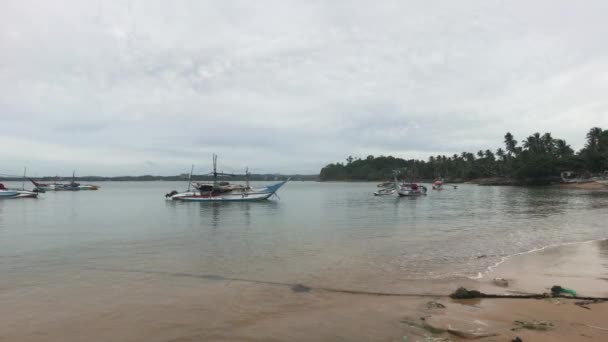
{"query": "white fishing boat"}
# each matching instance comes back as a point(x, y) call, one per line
point(409, 189)
point(384, 192)
point(575, 177)
point(602, 179)
point(218, 192)
point(15, 193)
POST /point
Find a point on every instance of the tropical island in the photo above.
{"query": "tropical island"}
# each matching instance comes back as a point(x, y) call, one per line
point(538, 160)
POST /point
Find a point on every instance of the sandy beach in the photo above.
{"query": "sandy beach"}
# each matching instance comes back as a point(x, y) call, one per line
point(183, 307)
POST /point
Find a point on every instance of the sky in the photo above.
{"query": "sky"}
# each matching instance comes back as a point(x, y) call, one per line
point(151, 87)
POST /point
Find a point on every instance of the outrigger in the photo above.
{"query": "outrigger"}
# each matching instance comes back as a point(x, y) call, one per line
point(223, 191)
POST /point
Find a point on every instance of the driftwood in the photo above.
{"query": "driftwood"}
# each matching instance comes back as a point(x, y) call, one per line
point(463, 293)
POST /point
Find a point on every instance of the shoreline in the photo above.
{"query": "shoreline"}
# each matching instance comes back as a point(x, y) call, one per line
point(177, 307)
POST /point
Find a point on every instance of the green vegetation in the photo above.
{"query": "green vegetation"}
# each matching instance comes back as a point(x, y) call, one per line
point(538, 160)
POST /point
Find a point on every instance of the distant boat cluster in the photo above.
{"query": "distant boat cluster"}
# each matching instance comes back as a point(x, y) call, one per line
point(215, 191)
point(408, 189)
point(6, 193)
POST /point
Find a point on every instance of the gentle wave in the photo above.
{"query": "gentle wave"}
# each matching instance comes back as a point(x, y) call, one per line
point(491, 268)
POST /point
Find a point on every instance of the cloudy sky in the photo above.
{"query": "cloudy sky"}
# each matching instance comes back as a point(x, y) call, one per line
point(150, 87)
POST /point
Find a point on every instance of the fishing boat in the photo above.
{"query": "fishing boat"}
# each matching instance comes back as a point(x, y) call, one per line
point(438, 185)
point(602, 179)
point(16, 193)
point(384, 192)
point(575, 177)
point(386, 185)
point(71, 186)
point(217, 192)
point(409, 189)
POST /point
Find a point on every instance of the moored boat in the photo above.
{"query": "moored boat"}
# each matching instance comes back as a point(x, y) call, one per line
point(438, 185)
point(71, 186)
point(409, 189)
point(384, 192)
point(15, 193)
point(602, 179)
point(223, 191)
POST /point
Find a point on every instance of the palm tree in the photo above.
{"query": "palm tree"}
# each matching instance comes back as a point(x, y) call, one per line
point(501, 154)
point(489, 155)
point(593, 138)
point(510, 144)
point(547, 143)
point(562, 149)
point(533, 143)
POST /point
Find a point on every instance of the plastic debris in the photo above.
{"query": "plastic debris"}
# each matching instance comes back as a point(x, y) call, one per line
point(557, 290)
point(517, 339)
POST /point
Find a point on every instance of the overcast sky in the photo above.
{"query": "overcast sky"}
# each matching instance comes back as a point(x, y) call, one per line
point(151, 87)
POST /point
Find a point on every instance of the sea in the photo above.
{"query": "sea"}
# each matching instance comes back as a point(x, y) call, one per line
point(328, 233)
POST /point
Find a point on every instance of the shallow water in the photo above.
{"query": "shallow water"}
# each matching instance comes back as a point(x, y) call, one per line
point(327, 234)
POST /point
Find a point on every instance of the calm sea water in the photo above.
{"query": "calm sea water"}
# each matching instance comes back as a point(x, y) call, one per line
point(324, 233)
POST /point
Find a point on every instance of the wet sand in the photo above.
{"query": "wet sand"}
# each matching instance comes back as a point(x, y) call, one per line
point(112, 305)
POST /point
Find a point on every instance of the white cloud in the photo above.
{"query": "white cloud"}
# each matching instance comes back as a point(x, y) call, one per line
point(115, 87)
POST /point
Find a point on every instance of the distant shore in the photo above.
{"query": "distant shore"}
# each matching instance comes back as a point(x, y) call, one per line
point(151, 178)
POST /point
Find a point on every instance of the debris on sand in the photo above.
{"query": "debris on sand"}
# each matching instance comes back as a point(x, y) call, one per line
point(470, 335)
point(500, 282)
point(533, 325)
point(557, 291)
point(462, 293)
point(434, 305)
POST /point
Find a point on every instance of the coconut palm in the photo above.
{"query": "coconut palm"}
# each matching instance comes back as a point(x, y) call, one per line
point(510, 144)
point(593, 138)
point(562, 149)
point(501, 154)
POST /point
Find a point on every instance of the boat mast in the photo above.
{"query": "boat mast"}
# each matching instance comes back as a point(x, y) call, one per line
point(247, 178)
point(190, 179)
point(214, 171)
point(23, 182)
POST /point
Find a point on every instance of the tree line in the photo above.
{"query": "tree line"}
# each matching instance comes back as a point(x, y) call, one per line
point(536, 159)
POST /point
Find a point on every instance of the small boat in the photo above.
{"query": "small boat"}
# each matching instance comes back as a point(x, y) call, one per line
point(16, 193)
point(223, 191)
point(384, 192)
point(71, 186)
point(602, 179)
point(574, 177)
point(411, 189)
point(438, 185)
point(387, 184)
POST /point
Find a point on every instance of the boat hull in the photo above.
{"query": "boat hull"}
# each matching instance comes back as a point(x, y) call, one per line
point(243, 197)
point(384, 192)
point(407, 193)
point(233, 196)
point(9, 194)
